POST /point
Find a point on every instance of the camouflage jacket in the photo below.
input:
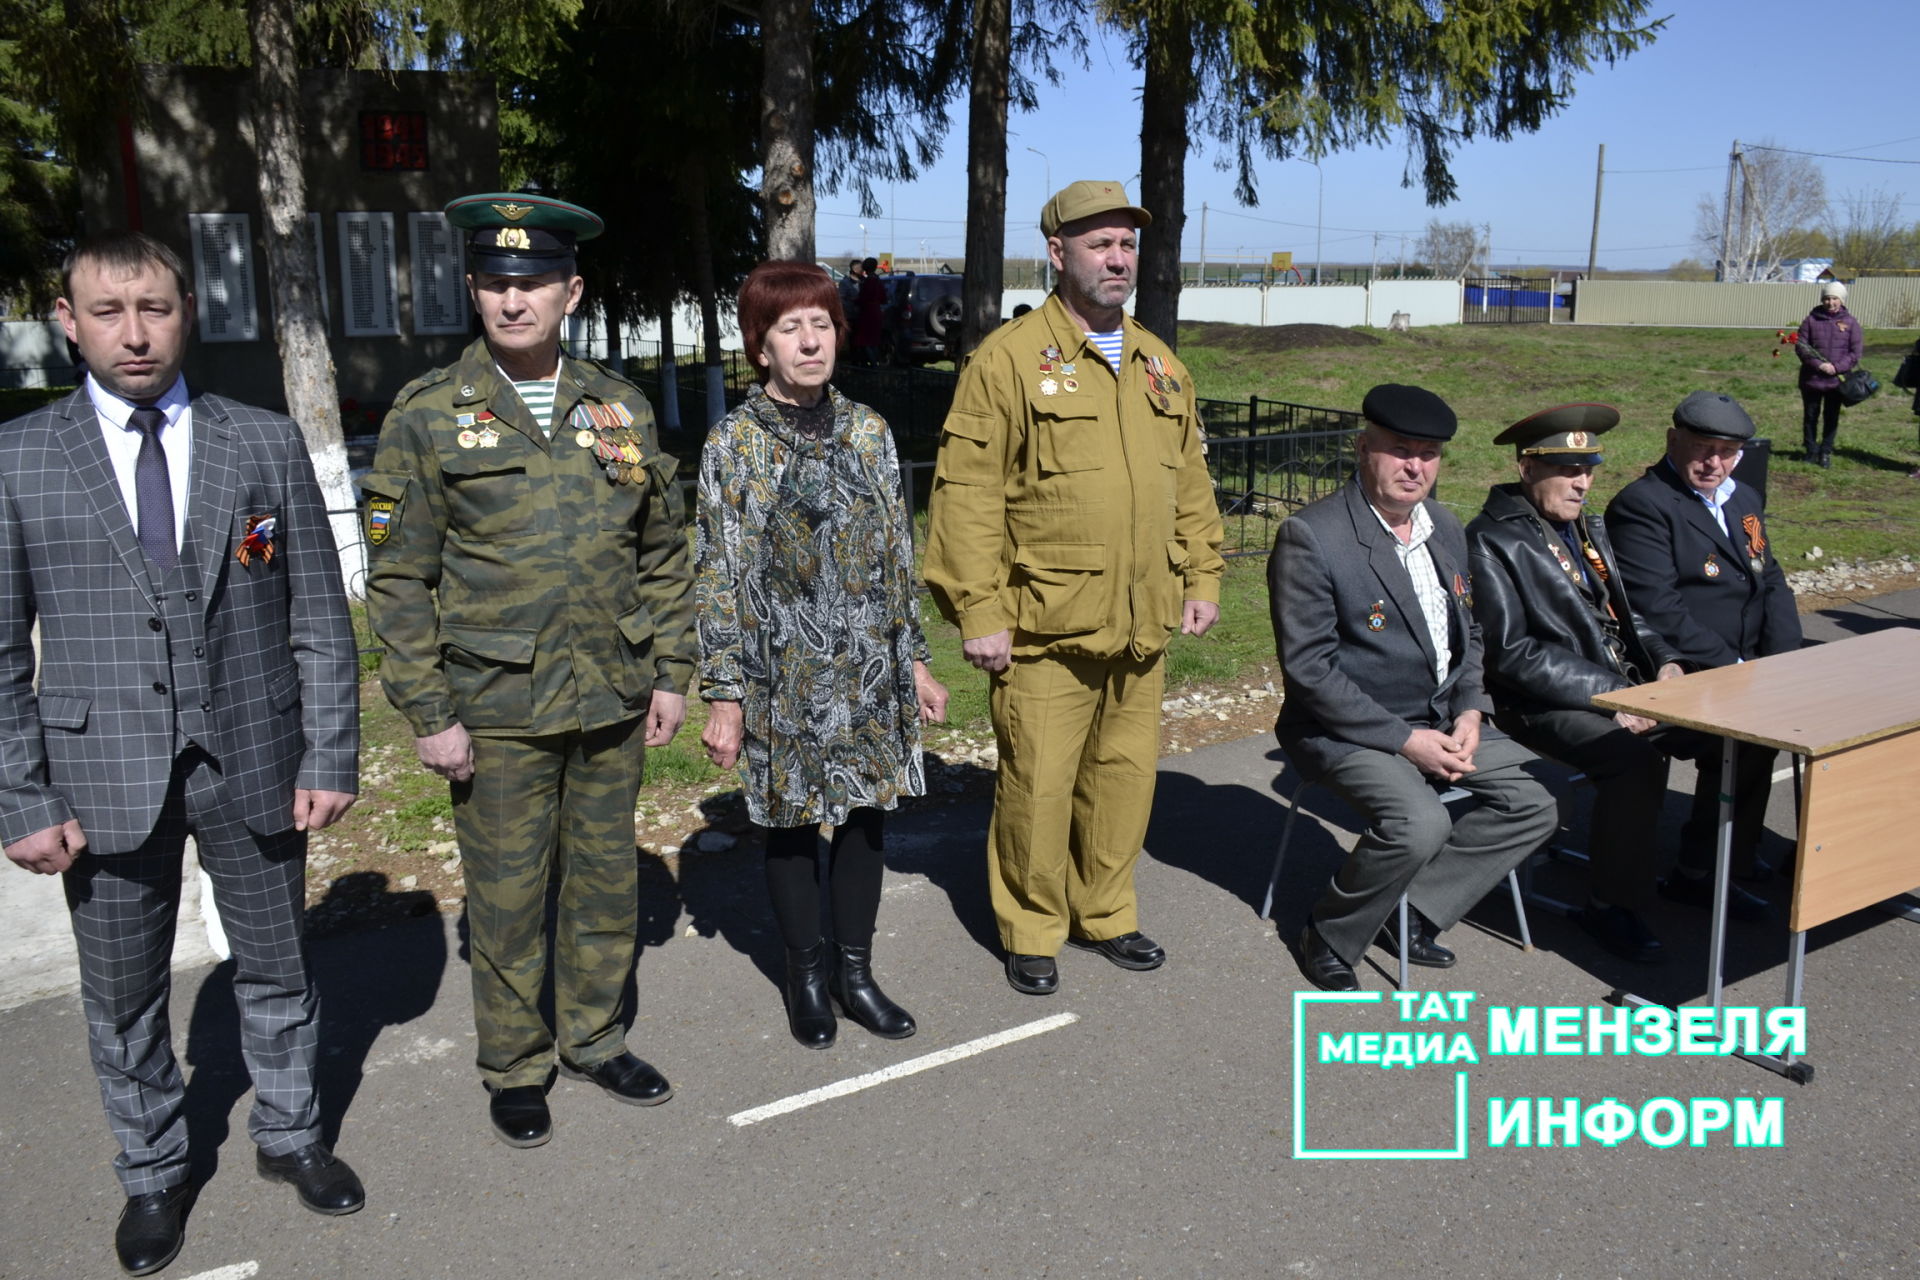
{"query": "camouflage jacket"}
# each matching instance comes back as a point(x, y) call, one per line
point(523, 585)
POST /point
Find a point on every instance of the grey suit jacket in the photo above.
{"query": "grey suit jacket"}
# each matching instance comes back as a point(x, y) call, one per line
point(268, 645)
point(1353, 644)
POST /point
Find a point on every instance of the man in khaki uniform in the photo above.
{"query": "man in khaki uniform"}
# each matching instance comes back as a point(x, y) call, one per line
point(530, 582)
point(1073, 530)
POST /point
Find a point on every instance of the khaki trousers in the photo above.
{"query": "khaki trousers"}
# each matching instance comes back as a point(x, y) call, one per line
point(1079, 742)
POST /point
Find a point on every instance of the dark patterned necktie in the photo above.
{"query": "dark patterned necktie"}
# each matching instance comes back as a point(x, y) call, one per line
point(153, 490)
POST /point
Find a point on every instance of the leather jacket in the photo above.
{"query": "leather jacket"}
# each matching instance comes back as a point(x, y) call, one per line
point(1549, 643)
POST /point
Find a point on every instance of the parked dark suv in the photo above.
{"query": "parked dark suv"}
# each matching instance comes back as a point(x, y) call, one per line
point(923, 318)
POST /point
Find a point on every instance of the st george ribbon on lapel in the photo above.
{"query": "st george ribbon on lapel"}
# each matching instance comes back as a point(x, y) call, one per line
point(153, 489)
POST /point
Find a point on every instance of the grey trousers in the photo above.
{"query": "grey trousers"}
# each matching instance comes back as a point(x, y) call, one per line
point(1412, 845)
point(123, 907)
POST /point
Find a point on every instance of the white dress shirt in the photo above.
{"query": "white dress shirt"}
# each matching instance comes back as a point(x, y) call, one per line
point(1418, 562)
point(123, 447)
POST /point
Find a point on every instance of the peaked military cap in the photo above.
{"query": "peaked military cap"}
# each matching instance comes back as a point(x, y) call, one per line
point(1567, 434)
point(1709, 413)
point(1079, 200)
point(1414, 412)
point(513, 233)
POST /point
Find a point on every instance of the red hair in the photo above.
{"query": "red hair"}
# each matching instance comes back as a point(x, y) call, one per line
point(772, 289)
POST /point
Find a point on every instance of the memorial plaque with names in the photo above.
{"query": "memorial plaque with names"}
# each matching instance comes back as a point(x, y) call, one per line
point(223, 276)
point(369, 286)
point(439, 286)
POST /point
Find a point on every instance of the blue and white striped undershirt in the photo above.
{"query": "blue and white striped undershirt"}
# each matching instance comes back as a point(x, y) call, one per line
point(1109, 347)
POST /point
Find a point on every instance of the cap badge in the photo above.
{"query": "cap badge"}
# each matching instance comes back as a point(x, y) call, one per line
point(1577, 440)
point(513, 211)
point(512, 238)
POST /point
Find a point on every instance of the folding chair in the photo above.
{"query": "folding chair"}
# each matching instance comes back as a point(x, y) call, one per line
point(1447, 797)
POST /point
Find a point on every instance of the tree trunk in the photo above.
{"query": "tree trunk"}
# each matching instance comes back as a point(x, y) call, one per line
point(669, 373)
point(299, 328)
point(786, 127)
point(986, 173)
point(1164, 96)
point(693, 189)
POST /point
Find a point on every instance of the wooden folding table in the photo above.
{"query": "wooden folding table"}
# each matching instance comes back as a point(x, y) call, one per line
point(1851, 708)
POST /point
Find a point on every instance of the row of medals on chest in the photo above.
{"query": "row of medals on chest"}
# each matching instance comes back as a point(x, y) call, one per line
point(607, 429)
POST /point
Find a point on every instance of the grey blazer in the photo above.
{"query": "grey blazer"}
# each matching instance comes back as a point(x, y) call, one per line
point(1353, 644)
point(265, 651)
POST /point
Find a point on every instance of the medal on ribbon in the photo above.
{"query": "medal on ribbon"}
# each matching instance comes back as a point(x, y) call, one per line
point(1377, 616)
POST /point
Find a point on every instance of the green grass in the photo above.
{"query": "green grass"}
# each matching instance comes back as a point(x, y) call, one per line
point(1494, 375)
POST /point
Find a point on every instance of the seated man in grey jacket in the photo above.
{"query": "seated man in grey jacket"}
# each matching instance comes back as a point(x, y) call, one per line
point(1552, 604)
point(1382, 661)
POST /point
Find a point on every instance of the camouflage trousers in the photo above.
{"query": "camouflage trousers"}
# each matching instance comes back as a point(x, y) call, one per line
point(554, 805)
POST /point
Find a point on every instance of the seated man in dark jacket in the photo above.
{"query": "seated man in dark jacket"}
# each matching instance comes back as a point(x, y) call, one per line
point(1382, 659)
point(1553, 608)
point(1693, 545)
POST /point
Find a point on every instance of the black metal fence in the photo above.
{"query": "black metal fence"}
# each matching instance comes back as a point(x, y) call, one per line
point(1510, 300)
point(1259, 480)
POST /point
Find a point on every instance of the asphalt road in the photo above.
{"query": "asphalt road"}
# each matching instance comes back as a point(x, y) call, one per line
point(1146, 1130)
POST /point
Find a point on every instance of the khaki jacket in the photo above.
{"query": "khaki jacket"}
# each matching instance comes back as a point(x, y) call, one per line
point(517, 588)
point(1070, 505)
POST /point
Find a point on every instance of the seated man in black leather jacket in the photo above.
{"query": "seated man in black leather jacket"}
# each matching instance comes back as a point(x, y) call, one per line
point(1548, 596)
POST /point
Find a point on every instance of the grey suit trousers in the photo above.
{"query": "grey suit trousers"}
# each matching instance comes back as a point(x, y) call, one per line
point(123, 908)
point(1412, 845)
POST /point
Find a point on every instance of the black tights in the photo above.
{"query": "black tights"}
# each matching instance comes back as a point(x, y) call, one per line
point(854, 867)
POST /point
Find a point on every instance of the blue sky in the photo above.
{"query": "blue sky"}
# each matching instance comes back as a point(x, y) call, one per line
point(1830, 78)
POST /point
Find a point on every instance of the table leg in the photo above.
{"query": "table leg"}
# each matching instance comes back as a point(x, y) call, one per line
point(1722, 876)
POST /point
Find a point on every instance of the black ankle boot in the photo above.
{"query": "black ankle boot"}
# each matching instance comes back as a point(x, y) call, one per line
point(809, 1015)
point(863, 1000)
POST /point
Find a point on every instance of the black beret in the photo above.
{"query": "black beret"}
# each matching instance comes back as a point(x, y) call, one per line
point(1409, 411)
point(1708, 413)
point(1566, 433)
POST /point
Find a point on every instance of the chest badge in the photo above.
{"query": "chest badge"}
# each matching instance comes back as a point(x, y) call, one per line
point(1377, 616)
point(468, 438)
point(1048, 386)
point(487, 437)
point(1711, 568)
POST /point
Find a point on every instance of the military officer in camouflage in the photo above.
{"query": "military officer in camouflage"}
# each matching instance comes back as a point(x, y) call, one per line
point(530, 581)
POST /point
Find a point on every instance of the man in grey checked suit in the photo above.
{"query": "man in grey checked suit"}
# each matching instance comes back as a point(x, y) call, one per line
point(1372, 615)
point(196, 672)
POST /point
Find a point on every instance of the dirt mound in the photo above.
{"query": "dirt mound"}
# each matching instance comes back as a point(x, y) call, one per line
point(1262, 338)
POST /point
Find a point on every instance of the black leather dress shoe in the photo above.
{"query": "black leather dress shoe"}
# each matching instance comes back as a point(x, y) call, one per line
point(1323, 966)
point(152, 1229)
point(625, 1078)
point(1622, 932)
point(520, 1116)
point(1033, 975)
point(1697, 891)
point(1422, 947)
point(325, 1183)
point(1129, 950)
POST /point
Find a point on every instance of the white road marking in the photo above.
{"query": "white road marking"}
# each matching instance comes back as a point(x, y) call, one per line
point(913, 1066)
point(232, 1271)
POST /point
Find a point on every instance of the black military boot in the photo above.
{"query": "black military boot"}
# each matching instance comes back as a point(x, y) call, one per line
point(862, 999)
point(809, 1014)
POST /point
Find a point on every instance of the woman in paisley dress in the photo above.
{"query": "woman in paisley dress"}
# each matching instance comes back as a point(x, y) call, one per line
point(812, 661)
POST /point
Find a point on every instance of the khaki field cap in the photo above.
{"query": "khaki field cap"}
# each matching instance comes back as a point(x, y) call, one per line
point(1084, 199)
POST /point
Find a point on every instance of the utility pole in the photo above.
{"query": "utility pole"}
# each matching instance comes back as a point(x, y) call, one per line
point(1593, 245)
point(1726, 215)
point(1203, 242)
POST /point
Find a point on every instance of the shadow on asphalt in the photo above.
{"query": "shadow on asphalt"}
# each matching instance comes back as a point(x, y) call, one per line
point(367, 982)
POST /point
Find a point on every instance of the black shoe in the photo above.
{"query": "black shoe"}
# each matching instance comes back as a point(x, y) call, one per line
point(324, 1182)
point(1697, 891)
point(1622, 932)
point(625, 1078)
point(1129, 950)
point(809, 1013)
point(1422, 949)
point(520, 1116)
point(152, 1229)
point(862, 999)
point(1323, 966)
point(1033, 975)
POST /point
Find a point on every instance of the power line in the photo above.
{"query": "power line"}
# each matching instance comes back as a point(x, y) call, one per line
point(1830, 155)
